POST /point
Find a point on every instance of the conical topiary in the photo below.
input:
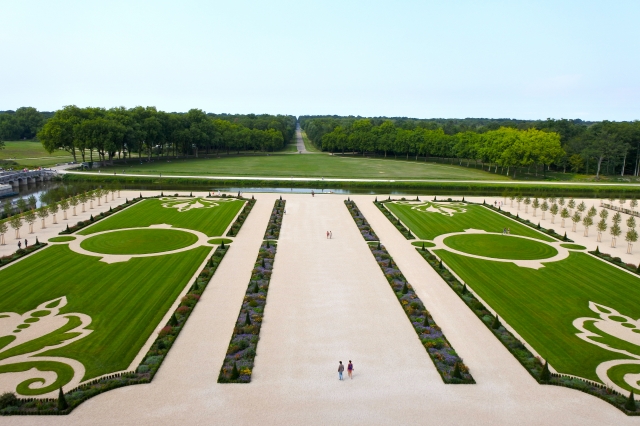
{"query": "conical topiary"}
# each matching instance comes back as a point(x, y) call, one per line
point(417, 198)
point(518, 215)
point(234, 372)
point(440, 264)
point(496, 323)
point(162, 194)
point(423, 246)
point(268, 246)
point(405, 289)
point(484, 201)
point(173, 321)
point(62, 401)
point(426, 321)
point(463, 198)
point(538, 225)
point(630, 405)
point(435, 198)
point(110, 209)
point(141, 195)
point(247, 320)
point(263, 264)
point(545, 375)
point(281, 198)
point(191, 194)
point(499, 209)
point(565, 236)
point(598, 251)
point(222, 245)
point(91, 218)
point(464, 289)
point(256, 288)
point(37, 242)
point(457, 373)
point(378, 248)
point(67, 227)
point(376, 200)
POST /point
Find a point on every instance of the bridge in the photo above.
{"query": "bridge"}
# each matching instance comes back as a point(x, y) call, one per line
point(19, 177)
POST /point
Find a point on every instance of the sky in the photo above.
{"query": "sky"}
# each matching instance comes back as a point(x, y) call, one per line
point(425, 59)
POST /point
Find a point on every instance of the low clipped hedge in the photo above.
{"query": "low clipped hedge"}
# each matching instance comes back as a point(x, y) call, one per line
point(394, 220)
point(365, 229)
point(5, 260)
point(235, 228)
point(275, 221)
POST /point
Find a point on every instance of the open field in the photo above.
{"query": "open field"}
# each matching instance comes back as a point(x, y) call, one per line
point(32, 153)
point(139, 241)
point(427, 226)
point(287, 165)
point(212, 220)
point(551, 308)
point(124, 309)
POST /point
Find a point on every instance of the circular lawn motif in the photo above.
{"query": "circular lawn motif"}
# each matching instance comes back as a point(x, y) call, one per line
point(500, 246)
point(61, 239)
point(139, 241)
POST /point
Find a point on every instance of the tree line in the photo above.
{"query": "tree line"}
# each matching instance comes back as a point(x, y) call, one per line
point(146, 131)
point(503, 145)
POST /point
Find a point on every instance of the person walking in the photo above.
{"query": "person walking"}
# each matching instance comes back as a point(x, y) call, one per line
point(350, 370)
point(340, 370)
point(330, 235)
point(327, 235)
point(312, 193)
point(26, 243)
point(19, 245)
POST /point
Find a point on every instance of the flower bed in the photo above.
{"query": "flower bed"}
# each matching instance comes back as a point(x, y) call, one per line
point(147, 368)
point(616, 261)
point(530, 362)
point(394, 220)
point(238, 363)
point(5, 260)
point(235, 228)
point(450, 366)
point(275, 221)
point(83, 224)
point(365, 229)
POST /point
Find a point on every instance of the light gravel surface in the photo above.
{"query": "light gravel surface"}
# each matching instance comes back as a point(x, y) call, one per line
point(329, 301)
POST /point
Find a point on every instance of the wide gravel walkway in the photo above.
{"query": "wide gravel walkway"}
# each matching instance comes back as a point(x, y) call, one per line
point(329, 301)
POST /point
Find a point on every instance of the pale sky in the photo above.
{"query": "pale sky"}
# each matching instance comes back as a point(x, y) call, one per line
point(451, 59)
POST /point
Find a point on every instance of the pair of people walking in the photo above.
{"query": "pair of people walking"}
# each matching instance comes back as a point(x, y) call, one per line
point(349, 370)
point(329, 235)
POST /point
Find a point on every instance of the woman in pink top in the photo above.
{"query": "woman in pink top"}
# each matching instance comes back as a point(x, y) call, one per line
point(350, 370)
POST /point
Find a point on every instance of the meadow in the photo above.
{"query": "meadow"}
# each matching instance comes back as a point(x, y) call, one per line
point(305, 165)
point(210, 221)
point(32, 153)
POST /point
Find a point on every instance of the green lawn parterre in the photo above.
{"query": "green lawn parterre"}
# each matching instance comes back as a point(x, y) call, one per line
point(151, 212)
point(139, 241)
point(427, 226)
point(500, 246)
point(125, 301)
point(540, 305)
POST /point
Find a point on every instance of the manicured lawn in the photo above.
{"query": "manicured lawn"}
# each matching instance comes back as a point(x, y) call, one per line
point(428, 225)
point(287, 165)
point(210, 221)
point(62, 239)
point(573, 246)
point(139, 241)
point(542, 304)
point(29, 153)
point(124, 300)
point(500, 246)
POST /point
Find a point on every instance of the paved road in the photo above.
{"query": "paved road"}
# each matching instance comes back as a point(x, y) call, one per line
point(329, 301)
point(318, 179)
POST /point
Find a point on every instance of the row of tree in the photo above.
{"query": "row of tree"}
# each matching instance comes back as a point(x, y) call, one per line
point(28, 213)
point(578, 213)
point(581, 147)
point(21, 124)
point(125, 133)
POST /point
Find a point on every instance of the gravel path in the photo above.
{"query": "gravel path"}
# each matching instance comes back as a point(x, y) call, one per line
point(329, 301)
point(300, 141)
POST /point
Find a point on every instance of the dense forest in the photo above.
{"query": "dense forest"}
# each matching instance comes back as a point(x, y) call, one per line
point(122, 133)
point(502, 145)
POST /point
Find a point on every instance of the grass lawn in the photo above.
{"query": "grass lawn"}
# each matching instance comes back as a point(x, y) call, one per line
point(210, 221)
point(542, 304)
point(500, 246)
point(287, 165)
point(428, 225)
point(124, 300)
point(139, 241)
point(30, 153)
point(308, 145)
